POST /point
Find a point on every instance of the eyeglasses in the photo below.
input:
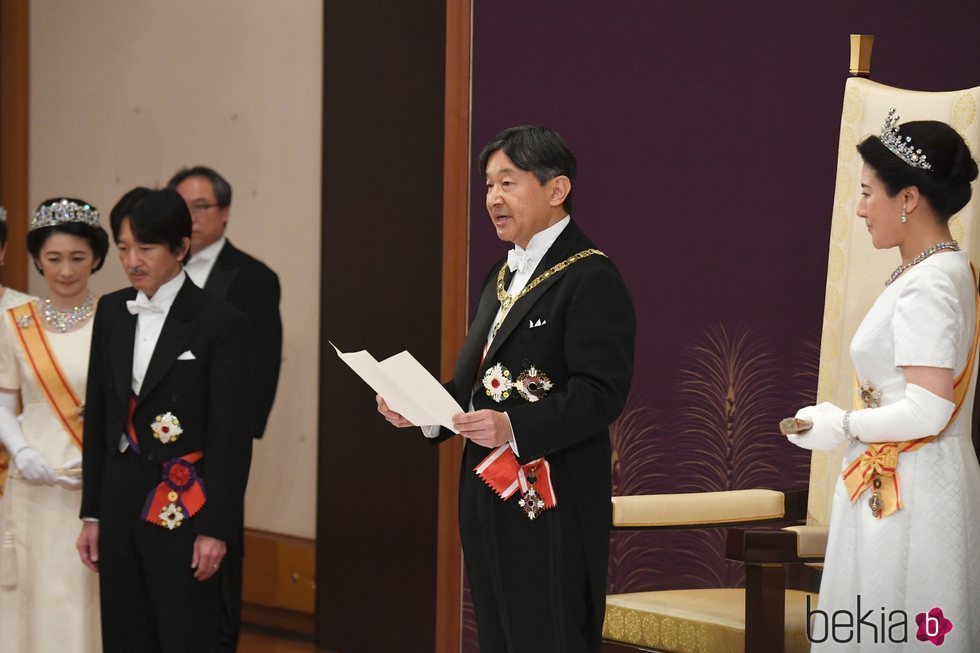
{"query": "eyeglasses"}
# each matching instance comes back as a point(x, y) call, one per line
point(200, 208)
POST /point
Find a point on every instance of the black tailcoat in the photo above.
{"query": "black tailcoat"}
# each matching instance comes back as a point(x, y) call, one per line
point(540, 585)
point(150, 600)
point(252, 287)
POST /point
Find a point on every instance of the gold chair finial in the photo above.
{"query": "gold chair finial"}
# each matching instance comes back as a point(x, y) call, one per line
point(861, 45)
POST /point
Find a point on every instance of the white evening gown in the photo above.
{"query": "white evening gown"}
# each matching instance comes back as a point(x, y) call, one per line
point(926, 555)
point(54, 605)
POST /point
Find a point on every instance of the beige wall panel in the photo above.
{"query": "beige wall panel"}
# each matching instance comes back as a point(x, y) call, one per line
point(124, 93)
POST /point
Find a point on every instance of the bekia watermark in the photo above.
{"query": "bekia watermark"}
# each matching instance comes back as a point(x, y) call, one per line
point(875, 625)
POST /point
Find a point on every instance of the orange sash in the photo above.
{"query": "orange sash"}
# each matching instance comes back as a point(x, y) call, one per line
point(60, 395)
point(880, 460)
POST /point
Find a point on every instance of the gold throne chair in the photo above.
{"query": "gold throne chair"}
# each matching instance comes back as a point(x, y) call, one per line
point(769, 615)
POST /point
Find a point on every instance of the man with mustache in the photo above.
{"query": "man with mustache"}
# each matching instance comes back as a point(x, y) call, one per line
point(166, 446)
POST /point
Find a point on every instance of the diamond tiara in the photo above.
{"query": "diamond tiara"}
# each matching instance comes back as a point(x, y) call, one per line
point(903, 149)
point(63, 212)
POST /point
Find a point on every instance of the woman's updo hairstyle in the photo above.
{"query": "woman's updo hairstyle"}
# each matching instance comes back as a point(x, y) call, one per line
point(946, 186)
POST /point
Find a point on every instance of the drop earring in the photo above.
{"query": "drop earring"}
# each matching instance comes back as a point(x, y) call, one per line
point(905, 218)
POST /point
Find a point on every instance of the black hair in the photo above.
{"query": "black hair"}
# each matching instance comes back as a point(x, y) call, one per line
point(3, 233)
point(98, 239)
point(534, 149)
point(155, 216)
point(946, 186)
point(220, 185)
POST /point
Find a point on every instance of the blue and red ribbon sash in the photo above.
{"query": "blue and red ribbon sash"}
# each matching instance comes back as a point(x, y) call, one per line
point(130, 429)
point(179, 496)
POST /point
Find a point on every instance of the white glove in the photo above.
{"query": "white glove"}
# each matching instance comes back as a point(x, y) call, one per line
point(31, 465)
point(70, 482)
point(919, 414)
point(827, 432)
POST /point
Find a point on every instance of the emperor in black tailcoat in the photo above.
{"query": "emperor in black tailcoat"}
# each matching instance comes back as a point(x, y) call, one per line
point(547, 577)
point(538, 583)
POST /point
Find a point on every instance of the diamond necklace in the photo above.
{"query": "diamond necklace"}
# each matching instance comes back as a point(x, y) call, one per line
point(70, 319)
point(938, 247)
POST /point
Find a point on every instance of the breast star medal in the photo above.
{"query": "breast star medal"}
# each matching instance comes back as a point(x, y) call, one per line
point(166, 428)
point(498, 383)
point(533, 384)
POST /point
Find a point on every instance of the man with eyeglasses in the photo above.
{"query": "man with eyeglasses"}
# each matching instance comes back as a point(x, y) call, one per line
point(253, 288)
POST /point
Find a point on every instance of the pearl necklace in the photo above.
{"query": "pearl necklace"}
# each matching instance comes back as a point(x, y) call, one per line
point(951, 245)
point(70, 319)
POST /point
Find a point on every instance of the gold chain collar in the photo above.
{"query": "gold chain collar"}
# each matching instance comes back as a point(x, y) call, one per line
point(507, 300)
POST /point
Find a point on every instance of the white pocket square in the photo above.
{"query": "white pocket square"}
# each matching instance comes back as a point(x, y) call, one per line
point(531, 324)
point(187, 356)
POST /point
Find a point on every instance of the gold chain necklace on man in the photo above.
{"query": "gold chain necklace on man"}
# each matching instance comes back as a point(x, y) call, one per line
point(508, 300)
point(951, 245)
point(67, 320)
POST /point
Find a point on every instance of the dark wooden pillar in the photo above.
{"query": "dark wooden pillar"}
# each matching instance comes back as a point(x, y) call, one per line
point(14, 133)
point(381, 274)
point(455, 265)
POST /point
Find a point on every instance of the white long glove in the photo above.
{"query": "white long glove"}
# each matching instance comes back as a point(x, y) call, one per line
point(31, 464)
point(827, 432)
point(920, 414)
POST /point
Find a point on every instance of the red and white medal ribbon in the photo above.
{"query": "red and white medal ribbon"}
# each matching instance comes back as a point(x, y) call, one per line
point(505, 476)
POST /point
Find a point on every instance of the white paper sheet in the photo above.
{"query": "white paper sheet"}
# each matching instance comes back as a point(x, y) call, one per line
point(406, 386)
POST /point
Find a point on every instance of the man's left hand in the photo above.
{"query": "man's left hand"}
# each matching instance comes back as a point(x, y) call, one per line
point(487, 428)
point(208, 554)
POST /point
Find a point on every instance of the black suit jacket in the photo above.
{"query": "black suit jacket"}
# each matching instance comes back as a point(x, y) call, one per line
point(584, 344)
point(206, 394)
point(252, 287)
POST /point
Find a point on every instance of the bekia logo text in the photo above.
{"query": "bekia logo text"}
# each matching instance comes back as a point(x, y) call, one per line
point(875, 625)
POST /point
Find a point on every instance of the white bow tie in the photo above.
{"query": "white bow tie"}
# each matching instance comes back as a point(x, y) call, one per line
point(137, 307)
point(518, 260)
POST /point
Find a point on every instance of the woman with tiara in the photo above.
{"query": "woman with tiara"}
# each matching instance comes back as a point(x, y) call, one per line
point(48, 601)
point(905, 520)
point(8, 296)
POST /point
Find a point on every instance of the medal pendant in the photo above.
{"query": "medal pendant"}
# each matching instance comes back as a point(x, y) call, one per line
point(531, 503)
point(875, 504)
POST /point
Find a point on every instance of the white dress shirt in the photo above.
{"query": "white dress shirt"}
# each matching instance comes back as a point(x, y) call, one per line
point(148, 328)
point(522, 262)
point(201, 263)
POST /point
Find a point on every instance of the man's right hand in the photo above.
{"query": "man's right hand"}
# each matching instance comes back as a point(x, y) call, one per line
point(88, 545)
point(394, 418)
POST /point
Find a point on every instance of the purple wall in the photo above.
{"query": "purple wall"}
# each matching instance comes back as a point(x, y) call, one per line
point(706, 136)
